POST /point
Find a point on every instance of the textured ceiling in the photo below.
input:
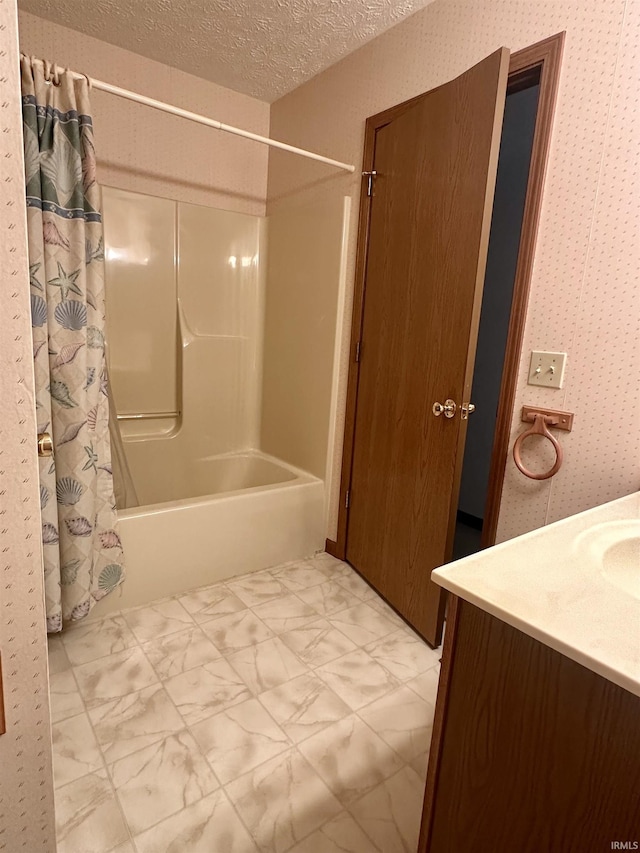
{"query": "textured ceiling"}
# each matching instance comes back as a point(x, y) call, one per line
point(263, 48)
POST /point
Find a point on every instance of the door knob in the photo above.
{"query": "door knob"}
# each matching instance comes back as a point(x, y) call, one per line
point(448, 409)
point(466, 409)
point(45, 444)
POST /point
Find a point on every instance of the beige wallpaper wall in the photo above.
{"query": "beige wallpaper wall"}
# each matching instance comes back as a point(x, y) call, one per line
point(147, 151)
point(26, 785)
point(584, 296)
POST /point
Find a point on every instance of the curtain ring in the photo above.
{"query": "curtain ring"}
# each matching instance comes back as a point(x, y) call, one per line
point(539, 428)
point(50, 71)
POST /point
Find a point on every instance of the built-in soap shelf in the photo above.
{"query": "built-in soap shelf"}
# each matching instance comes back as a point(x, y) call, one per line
point(187, 335)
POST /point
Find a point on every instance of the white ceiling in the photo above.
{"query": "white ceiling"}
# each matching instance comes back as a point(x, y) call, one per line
point(263, 48)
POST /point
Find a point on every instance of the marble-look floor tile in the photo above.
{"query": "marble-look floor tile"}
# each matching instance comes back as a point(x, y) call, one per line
point(179, 652)
point(133, 722)
point(340, 835)
point(209, 826)
point(362, 624)
point(282, 801)
point(318, 642)
point(212, 601)
point(304, 706)
point(326, 563)
point(236, 631)
point(160, 780)
point(88, 818)
point(328, 598)
point(64, 696)
point(202, 692)
point(75, 750)
point(358, 587)
point(213, 648)
point(58, 659)
point(420, 764)
point(381, 606)
point(284, 614)
point(114, 676)
point(266, 665)
point(426, 684)
point(157, 620)
point(403, 720)
point(357, 679)
point(403, 654)
point(257, 588)
point(351, 758)
point(239, 739)
point(300, 576)
point(87, 642)
point(391, 813)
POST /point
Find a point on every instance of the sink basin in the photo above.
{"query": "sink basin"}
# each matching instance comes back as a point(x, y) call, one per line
point(615, 547)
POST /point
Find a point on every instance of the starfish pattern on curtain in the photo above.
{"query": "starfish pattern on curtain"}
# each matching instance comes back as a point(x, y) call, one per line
point(83, 555)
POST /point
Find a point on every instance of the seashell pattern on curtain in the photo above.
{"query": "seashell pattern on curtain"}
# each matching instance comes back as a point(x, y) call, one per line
point(83, 557)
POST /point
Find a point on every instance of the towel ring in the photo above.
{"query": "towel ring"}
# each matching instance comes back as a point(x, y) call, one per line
point(539, 428)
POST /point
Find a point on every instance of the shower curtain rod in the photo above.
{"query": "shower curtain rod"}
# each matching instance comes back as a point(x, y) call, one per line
point(200, 119)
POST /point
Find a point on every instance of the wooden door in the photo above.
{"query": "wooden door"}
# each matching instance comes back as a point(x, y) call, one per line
point(436, 161)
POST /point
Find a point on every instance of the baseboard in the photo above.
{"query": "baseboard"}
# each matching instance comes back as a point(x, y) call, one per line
point(331, 547)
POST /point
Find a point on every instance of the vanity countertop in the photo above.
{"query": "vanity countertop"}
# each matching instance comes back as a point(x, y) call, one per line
point(552, 584)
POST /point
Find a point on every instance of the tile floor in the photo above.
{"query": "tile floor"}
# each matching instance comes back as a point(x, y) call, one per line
point(286, 710)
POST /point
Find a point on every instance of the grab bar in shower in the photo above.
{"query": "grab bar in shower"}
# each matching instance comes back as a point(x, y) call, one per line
point(143, 416)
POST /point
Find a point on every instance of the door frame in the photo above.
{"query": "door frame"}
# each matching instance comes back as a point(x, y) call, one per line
point(538, 63)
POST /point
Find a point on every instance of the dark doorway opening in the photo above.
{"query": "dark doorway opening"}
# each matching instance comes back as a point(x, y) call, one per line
point(516, 145)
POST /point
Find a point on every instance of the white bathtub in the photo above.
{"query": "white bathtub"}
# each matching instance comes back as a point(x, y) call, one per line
point(227, 515)
point(166, 471)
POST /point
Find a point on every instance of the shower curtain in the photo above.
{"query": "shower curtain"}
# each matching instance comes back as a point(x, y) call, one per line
point(83, 557)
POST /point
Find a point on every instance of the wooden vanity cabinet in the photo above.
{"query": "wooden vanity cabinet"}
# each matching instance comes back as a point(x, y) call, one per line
point(531, 752)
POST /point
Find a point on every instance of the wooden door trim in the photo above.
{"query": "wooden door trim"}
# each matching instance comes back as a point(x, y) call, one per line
point(541, 60)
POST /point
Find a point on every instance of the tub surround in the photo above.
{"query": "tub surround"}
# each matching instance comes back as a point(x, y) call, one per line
point(558, 586)
point(185, 300)
point(185, 304)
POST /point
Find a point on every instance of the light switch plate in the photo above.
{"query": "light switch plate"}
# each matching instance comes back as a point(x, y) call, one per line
point(547, 369)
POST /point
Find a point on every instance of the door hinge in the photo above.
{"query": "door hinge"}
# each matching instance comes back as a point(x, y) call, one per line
point(346, 499)
point(357, 351)
point(370, 176)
